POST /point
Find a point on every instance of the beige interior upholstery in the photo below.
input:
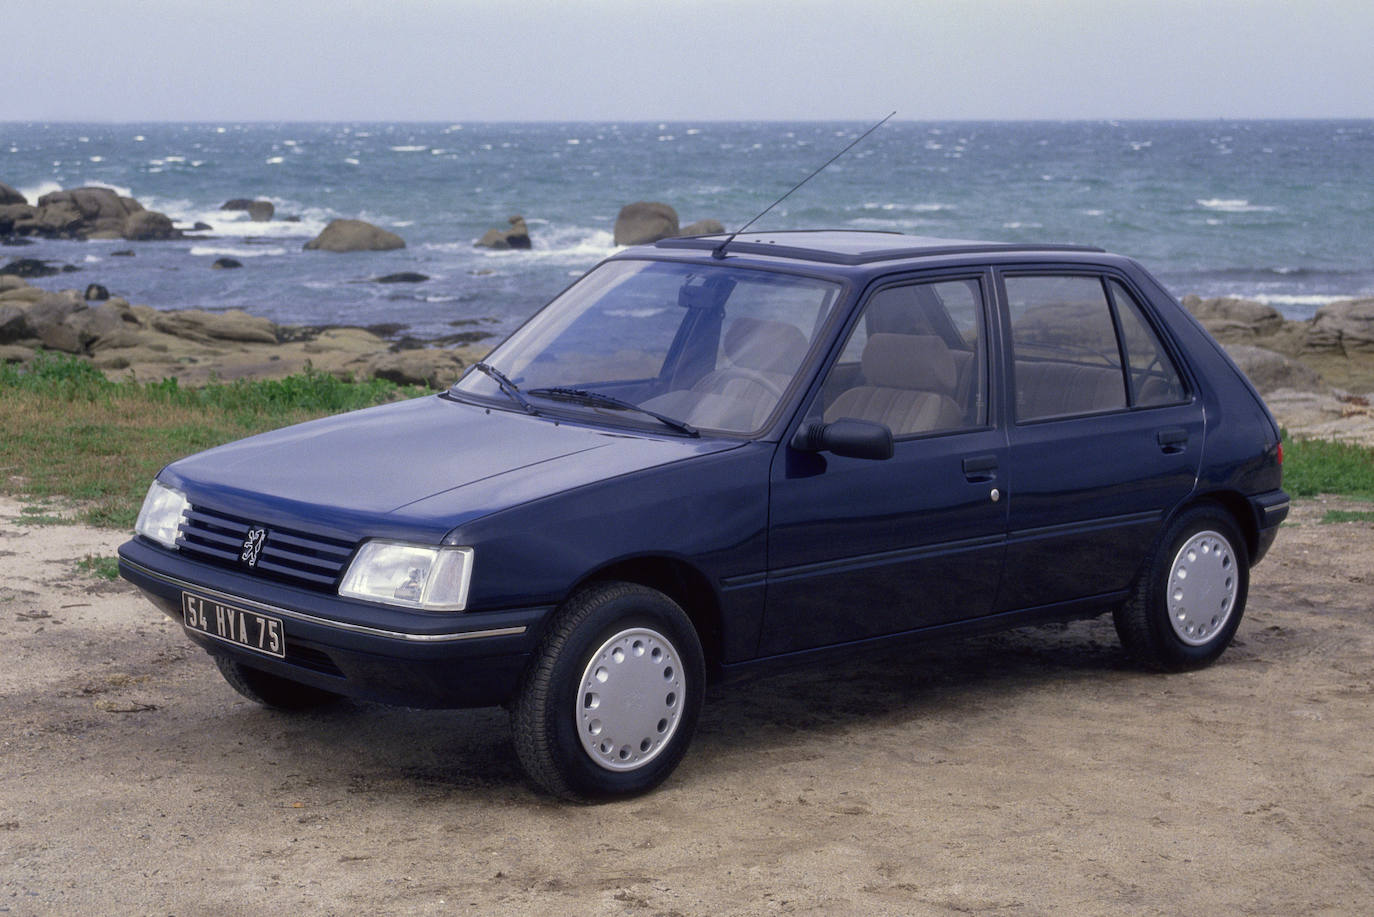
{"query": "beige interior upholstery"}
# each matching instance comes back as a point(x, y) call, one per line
point(1050, 389)
point(910, 381)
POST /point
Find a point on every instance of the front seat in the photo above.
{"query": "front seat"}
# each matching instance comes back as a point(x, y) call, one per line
point(909, 384)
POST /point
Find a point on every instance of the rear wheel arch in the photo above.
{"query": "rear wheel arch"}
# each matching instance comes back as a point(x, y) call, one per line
point(1237, 507)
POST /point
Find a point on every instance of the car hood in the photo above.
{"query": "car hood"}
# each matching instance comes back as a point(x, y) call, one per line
point(416, 469)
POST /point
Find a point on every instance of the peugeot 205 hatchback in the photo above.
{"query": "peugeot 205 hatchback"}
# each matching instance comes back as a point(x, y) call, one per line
point(712, 453)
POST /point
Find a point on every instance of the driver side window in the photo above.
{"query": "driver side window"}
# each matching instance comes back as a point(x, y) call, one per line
point(914, 362)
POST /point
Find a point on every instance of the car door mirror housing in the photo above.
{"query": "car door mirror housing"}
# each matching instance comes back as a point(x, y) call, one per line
point(849, 438)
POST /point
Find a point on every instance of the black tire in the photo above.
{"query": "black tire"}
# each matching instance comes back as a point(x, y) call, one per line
point(552, 713)
point(271, 690)
point(1205, 611)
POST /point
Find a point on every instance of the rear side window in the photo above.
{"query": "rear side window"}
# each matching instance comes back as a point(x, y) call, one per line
point(1154, 378)
point(1067, 359)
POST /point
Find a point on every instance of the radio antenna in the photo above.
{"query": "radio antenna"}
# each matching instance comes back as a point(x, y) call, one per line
point(719, 251)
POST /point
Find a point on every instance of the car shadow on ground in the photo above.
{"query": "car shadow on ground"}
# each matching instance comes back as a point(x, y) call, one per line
point(364, 748)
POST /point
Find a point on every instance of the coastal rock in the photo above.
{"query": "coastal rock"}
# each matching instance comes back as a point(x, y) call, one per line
point(122, 253)
point(200, 226)
point(1269, 371)
point(96, 291)
point(234, 325)
point(11, 282)
point(223, 264)
point(354, 236)
point(645, 221)
point(22, 294)
point(13, 353)
point(1346, 326)
point(431, 367)
point(84, 212)
point(14, 324)
point(148, 224)
point(30, 267)
point(12, 214)
point(402, 277)
point(518, 236)
point(258, 211)
point(703, 228)
point(9, 196)
point(1235, 317)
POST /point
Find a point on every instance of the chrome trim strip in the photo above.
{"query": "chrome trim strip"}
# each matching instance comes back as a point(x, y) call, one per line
point(324, 622)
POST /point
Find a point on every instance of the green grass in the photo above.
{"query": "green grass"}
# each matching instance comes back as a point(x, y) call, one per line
point(1347, 515)
point(1318, 466)
point(70, 432)
point(106, 568)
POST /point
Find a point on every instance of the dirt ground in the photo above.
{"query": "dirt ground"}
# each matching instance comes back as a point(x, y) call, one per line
point(1033, 772)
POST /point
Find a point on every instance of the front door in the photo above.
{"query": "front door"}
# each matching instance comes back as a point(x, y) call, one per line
point(859, 547)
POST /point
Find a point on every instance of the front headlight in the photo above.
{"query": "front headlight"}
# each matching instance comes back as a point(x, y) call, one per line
point(410, 575)
point(161, 515)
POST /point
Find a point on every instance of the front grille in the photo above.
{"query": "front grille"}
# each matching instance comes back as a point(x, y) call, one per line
point(288, 555)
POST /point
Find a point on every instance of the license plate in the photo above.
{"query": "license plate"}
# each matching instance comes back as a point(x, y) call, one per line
point(239, 626)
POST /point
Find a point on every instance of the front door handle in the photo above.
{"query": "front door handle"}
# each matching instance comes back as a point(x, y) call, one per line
point(1172, 440)
point(978, 468)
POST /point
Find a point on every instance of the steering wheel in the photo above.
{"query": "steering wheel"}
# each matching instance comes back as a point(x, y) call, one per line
point(752, 375)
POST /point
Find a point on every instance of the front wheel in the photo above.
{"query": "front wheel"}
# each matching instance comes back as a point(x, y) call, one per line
point(1189, 599)
point(611, 699)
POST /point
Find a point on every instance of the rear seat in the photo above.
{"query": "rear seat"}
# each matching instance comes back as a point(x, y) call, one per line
point(1052, 389)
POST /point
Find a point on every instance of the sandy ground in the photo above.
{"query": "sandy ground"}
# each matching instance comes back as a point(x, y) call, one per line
point(1034, 772)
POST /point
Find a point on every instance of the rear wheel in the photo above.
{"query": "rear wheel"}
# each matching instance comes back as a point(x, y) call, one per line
point(611, 699)
point(271, 690)
point(1191, 595)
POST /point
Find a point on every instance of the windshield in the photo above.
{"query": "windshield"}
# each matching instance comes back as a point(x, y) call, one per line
point(706, 346)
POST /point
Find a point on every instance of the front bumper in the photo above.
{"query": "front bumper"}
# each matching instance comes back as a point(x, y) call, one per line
point(371, 652)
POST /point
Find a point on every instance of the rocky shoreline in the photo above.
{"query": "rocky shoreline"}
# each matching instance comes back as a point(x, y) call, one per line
point(1317, 376)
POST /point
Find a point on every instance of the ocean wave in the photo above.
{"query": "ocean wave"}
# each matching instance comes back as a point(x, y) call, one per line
point(913, 208)
point(1297, 299)
point(33, 192)
point(1232, 205)
point(223, 251)
point(417, 148)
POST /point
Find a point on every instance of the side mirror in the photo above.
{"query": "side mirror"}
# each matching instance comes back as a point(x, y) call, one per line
point(861, 439)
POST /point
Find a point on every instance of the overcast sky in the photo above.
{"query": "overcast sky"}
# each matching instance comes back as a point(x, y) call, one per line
point(271, 60)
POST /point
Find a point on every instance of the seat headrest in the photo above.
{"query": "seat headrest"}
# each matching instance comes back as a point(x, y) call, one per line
point(911, 361)
point(765, 345)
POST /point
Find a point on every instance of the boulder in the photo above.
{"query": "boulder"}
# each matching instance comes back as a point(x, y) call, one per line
point(234, 325)
point(16, 214)
point(258, 211)
point(96, 292)
point(1346, 326)
point(13, 323)
point(148, 224)
point(645, 221)
point(518, 236)
point(13, 353)
point(1238, 316)
point(703, 228)
point(354, 236)
point(22, 294)
point(9, 196)
point(199, 226)
point(402, 277)
point(431, 367)
point(11, 282)
point(224, 264)
point(30, 267)
point(1269, 371)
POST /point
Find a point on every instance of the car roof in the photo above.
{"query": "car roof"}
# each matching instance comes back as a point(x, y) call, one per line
point(853, 247)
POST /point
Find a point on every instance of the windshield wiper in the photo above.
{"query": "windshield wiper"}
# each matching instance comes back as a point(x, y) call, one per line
point(509, 388)
point(601, 399)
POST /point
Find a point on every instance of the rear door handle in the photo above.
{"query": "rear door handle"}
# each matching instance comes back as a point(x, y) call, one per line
point(980, 468)
point(1172, 440)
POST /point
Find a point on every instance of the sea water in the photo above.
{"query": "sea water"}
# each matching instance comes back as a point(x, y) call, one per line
point(1278, 211)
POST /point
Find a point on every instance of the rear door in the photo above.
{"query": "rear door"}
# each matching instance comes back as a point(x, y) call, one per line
point(1105, 435)
point(860, 548)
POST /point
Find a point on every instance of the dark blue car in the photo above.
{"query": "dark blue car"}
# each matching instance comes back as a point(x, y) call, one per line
point(712, 454)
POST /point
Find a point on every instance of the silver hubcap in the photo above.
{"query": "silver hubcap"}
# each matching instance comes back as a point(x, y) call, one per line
point(630, 700)
point(1202, 588)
